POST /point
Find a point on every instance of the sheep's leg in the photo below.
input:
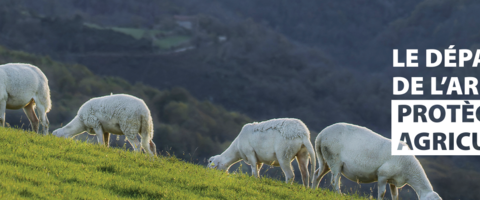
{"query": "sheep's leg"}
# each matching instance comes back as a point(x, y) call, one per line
point(287, 168)
point(153, 147)
point(381, 187)
point(2, 118)
point(302, 160)
point(336, 175)
point(132, 138)
point(106, 139)
point(42, 115)
point(259, 167)
point(336, 181)
point(32, 117)
point(394, 191)
point(100, 135)
point(3, 106)
point(146, 145)
point(319, 175)
point(252, 159)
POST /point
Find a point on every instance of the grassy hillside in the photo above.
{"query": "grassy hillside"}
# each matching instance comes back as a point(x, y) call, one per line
point(256, 71)
point(46, 167)
point(184, 125)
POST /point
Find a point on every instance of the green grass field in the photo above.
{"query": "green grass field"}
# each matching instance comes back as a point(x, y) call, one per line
point(171, 41)
point(33, 166)
point(137, 33)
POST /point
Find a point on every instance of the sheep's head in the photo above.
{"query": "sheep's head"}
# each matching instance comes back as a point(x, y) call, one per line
point(215, 162)
point(431, 196)
point(59, 133)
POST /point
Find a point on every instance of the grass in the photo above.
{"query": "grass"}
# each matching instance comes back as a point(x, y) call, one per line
point(33, 166)
point(171, 41)
point(138, 33)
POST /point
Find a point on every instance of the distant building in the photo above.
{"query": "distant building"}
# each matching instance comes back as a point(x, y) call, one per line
point(187, 22)
point(222, 38)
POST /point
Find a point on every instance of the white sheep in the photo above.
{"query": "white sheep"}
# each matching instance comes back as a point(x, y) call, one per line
point(118, 114)
point(25, 86)
point(364, 156)
point(274, 142)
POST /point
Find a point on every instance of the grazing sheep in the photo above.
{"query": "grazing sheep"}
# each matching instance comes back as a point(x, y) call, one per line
point(118, 114)
point(364, 156)
point(25, 86)
point(274, 142)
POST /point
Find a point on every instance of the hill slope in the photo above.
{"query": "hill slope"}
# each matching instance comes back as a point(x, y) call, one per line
point(182, 123)
point(255, 71)
point(44, 167)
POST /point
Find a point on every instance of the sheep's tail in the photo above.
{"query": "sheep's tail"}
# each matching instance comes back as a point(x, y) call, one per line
point(311, 151)
point(322, 164)
point(42, 97)
point(147, 127)
point(48, 101)
point(147, 134)
point(43, 91)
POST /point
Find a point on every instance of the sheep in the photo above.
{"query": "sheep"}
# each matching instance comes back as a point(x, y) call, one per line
point(275, 142)
point(364, 156)
point(119, 114)
point(25, 86)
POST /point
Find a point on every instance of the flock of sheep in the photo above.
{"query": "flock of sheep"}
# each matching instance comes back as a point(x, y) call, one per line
point(358, 153)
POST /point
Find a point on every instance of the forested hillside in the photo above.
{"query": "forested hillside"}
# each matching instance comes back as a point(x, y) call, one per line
point(256, 70)
point(319, 61)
